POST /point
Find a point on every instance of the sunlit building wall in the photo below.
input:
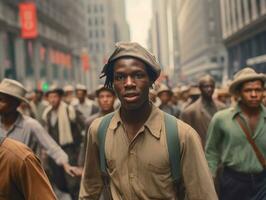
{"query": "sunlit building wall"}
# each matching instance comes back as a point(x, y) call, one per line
point(244, 33)
point(200, 39)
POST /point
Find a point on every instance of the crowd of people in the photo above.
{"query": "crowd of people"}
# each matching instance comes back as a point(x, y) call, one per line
point(53, 144)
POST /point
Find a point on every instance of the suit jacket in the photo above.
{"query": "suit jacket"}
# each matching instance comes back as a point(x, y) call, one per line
point(198, 117)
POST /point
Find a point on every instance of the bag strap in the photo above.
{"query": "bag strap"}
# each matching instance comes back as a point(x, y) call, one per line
point(102, 130)
point(252, 143)
point(2, 138)
point(173, 145)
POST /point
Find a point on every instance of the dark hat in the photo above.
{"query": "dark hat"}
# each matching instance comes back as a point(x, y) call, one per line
point(245, 75)
point(55, 89)
point(133, 49)
point(102, 88)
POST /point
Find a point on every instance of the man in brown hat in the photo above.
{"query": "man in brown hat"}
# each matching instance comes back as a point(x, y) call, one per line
point(26, 129)
point(199, 114)
point(236, 139)
point(137, 159)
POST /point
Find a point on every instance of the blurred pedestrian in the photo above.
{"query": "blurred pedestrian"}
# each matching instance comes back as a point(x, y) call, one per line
point(236, 139)
point(26, 129)
point(69, 96)
point(38, 104)
point(137, 159)
point(62, 124)
point(199, 114)
point(22, 176)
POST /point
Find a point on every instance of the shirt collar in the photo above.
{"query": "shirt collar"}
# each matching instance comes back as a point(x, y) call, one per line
point(236, 110)
point(153, 124)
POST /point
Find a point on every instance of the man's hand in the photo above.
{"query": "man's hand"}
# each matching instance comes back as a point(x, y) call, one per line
point(71, 170)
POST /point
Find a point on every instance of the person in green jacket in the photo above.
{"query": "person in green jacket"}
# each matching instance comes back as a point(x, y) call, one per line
point(227, 143)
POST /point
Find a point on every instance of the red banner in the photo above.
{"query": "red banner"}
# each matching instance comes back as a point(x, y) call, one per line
point(85, 61)
point(28, 20)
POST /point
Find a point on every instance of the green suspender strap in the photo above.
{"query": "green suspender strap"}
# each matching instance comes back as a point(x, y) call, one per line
point(2, 138)
point(173, 145)
point(102, 130)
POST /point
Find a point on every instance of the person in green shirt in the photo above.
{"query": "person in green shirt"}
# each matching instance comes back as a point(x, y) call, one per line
point(243, 175)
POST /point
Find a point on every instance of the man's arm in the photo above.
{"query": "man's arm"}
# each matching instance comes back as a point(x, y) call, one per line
point(91, 183)
point(213, 145)
point(195, 172)
point(32, 180)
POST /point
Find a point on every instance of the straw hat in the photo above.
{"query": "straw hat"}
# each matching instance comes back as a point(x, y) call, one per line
point(81, 87)
point(164, 88)
point(13, 88)
point(244, 75)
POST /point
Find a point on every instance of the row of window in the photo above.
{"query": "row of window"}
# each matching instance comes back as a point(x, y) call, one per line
point(96, 8)
point(96, 34)
point(97, 47)
point(96, 21)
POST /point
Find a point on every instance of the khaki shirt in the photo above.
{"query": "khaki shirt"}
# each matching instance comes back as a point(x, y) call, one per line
point(21, 174)
point(141, 169)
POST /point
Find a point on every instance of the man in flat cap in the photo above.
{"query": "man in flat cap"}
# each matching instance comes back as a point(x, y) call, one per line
point(135, 148)
point(199, 114)
point(236, 139)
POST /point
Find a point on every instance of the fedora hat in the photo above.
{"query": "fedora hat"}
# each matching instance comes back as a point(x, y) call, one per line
point(13, 88)
point(244, 75)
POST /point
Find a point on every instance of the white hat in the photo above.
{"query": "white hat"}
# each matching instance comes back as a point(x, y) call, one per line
point(13, 88)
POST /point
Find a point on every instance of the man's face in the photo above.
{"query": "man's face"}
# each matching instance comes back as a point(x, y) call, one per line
point(207, 88)
point(7, 104)
point(54, 99)
point(131, 82)
point(251, 93)
point(165, 97)
point(81, 95)
point(106, 100)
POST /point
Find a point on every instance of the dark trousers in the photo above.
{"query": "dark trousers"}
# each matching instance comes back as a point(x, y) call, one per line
point(242, 186)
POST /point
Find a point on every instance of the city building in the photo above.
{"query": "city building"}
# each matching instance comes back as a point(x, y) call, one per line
point(106, 22)
point(53, 56)
point(200, 40)
point(244, 34)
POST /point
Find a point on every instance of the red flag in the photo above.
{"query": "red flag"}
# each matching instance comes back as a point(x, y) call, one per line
point(85, 61)
point(28, 20)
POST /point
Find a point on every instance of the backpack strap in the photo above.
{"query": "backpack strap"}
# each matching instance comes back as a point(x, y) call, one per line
point(173, 145)
point(2, 138)
point(102, 130)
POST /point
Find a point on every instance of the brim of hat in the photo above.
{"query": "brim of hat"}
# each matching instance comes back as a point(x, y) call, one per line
point(236, 83)
point(15, 96)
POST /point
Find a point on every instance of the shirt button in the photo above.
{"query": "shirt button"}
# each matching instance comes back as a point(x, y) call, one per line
point(131, 175)
point(131, 152)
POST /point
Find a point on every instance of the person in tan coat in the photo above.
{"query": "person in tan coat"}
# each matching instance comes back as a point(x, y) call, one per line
point(137, 159)
point(199, 114)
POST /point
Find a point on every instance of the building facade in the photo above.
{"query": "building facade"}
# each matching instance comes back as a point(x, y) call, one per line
point(244, 34)
point(200, 40)
point(106, 22)
point(54, 55)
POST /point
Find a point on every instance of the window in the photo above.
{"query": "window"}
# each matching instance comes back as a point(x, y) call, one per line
point(96, 22)
point(96, 8)
point(103, 33)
